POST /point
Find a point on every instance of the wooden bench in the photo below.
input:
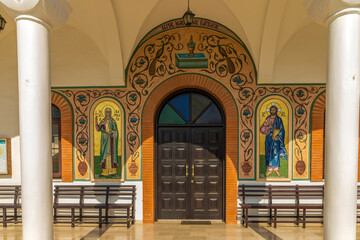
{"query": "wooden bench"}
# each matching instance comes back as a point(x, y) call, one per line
point(10, 199)
point(80, 198)
point(270, 199)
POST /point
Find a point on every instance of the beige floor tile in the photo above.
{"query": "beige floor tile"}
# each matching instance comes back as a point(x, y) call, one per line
point(173, 230)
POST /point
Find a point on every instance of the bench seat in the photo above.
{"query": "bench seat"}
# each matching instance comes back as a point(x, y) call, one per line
point(275, 198)
point(95, 197)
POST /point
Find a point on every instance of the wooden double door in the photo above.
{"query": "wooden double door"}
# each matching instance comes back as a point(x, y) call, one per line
point(190, 173)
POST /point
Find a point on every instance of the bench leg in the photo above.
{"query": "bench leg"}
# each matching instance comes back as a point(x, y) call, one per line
point(246, 217)
point(4, 217)
point(106, 215)
point(270, 217)
point(275, 217)
point(72, 217)
point(55, 215)
point(15, 215)
point(128, 217)
point(100, 217)
point(133, 214)
point(304, 217)
point(80, 214)
point(297, 217)
point(243, 217)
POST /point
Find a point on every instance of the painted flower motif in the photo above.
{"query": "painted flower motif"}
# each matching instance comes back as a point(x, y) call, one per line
point(246, 112)
point(132, 138)
point(133, 97)
point(82, 139)
point(161, 68)
point(139, 80)
point(221, 69)
point(300, 136)
point(238, 80)
point(287, 91)
point(141, 62)
point(81, 98)
point(246, 93)
point(246, 135)
point(261, 91)
point(133, 120)
point(300, 111)
point(300, 93)
point(82, 121)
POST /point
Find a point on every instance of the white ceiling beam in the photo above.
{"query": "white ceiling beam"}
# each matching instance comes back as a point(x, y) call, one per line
point(272, 26)
point(111, 35)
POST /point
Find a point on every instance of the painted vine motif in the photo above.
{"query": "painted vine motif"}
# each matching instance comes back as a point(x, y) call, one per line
point(227, 60)
point(82, 101)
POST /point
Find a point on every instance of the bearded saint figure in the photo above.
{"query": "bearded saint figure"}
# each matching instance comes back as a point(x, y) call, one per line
point(273, 127)
point(109, 143)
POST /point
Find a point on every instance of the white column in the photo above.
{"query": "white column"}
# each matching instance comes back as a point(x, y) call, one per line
point(35, 128)
point(342, 127)
point(34, 19)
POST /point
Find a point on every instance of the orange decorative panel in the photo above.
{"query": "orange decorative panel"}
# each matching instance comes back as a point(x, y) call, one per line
point(66, 136)
point(318, 139)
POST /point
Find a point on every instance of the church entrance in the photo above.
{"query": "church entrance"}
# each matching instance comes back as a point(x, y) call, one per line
point(190, 139)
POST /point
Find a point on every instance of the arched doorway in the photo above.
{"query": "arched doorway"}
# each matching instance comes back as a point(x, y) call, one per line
point(190, 143)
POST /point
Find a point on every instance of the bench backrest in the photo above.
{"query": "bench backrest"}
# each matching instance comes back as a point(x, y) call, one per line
point(294, 193)
point(83, 192)
point(12, 192)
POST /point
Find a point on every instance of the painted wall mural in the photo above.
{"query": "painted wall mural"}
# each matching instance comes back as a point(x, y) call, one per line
point(106, 132)
point(274, 145)
point(206, 48)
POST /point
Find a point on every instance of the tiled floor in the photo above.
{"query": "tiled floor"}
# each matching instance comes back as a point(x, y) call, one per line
point(170, 230)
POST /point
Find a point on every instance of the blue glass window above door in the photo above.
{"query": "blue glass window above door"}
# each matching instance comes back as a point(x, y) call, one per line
point(182, 104)
point(190, 107)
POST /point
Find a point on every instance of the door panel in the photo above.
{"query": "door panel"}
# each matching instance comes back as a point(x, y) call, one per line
point(190, 173)
point(172, 184)
point(207, 152)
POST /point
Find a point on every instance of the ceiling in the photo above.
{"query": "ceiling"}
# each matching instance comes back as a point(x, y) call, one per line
point(274, 31)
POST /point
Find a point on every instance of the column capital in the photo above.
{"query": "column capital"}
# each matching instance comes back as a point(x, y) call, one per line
point(50, 13)
point(324, 11)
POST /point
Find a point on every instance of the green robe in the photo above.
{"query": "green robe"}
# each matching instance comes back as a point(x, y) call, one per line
point(109, 142)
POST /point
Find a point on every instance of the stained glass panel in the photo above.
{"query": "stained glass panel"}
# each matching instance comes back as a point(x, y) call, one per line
point(182, 104)
point(211, 115)
point(169, 116)
point(198, 103)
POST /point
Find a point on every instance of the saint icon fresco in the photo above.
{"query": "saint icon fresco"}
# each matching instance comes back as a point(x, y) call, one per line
point(275, 150)
point(108, 143)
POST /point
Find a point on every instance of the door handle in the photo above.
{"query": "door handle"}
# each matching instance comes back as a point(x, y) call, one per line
point(193, 170)
point(187, 171)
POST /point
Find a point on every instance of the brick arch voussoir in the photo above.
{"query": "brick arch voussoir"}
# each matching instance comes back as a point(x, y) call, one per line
point(66, 136)
point(224, 98)
point(317, 138)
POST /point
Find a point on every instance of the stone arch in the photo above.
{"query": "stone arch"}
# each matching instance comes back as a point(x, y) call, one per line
point(227, 102)
point(66, 135)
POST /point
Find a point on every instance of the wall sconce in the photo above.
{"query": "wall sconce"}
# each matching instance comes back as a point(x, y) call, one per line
point(188, 16)
point(2, 23)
